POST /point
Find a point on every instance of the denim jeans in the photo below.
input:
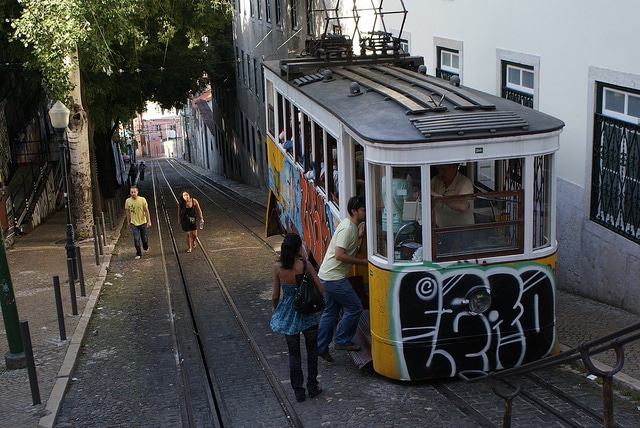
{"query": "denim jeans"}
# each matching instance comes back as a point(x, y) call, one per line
point(140, 234)
point(338, 294)
point(295, 361)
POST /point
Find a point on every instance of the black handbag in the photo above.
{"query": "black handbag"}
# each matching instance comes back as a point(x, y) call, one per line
point(307, 299)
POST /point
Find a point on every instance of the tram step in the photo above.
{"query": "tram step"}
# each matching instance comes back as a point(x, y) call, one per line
point(362, 358)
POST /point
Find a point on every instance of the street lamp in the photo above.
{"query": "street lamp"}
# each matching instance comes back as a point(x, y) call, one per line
point(59, 116)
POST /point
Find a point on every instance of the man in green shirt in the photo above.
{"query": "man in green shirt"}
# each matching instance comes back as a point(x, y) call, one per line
point(338, 292)
point(138, 218)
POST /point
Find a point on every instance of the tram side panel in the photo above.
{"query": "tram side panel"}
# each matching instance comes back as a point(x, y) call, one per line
point(421, 327)
point(301, 208)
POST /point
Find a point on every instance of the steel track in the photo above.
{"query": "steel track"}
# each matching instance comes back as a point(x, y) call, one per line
point(209, 190)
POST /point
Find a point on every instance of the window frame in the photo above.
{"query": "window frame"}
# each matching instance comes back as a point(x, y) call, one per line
point(521, 69)
point(442, 51)
point(624, 116)
point(267, 11)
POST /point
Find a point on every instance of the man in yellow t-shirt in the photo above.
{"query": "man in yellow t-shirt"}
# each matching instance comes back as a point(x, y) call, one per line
point(139, 219)
point(338, 292)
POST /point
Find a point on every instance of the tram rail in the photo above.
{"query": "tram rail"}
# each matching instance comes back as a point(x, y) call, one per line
point(163, 192)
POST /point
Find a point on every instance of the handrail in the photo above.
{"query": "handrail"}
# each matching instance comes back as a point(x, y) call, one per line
point(613, 341)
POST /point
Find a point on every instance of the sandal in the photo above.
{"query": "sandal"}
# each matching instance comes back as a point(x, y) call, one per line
point(316, 392)
point(189, 250)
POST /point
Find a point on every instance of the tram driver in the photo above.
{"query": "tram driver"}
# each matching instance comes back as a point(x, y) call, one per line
point(455, 212)
point(449, 182)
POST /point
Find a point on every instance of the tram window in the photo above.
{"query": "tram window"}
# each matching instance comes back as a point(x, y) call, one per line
point(318, 133)
point(377, 202)
point(485, 177)
point(359, 170)
point(481, 219)
point(306, 146)
point(271, 119)
point(281, 117)
point(331, 175)
point(310, 150)
point(542, 201)
point(295, 140)
point(399, 211)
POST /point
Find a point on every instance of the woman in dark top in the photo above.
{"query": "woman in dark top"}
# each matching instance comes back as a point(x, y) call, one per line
point(286, 320)
point(188, 213)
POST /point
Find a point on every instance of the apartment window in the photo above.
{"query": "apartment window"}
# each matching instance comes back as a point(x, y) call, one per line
point(259, 9)
point(448, 63)
point(279, 13)
point(517, 77)
point(249, 80)
point(267, 10)
point(294, 14)
point(309, 15)
point(244, 69)
point(238, 62)
point(615, 191)
point(518, 83)
point(251, 10)
point(621, 105)
point(256, 82)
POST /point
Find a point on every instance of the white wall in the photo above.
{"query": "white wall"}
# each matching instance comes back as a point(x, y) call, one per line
point(569, 36)
point(576, 43)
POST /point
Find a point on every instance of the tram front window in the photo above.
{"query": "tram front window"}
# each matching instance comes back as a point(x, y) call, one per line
point(477, 211)
point(477, 220)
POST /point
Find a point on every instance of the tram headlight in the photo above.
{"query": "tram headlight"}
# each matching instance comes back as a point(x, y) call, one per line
point(479, 300)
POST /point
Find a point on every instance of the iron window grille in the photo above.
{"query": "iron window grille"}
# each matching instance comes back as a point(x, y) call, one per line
point(615, 188)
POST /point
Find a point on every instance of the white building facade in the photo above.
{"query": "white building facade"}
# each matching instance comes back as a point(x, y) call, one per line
point(576, 60)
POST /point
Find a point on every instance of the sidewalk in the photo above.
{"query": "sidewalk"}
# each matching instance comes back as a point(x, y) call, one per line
point(39, 255)
point(33, 261)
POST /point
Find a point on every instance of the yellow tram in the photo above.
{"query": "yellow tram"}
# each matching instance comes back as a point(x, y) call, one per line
point(460, 196)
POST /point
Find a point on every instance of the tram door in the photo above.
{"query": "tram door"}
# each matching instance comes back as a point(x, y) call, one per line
point(349, 177)
point(398, 209)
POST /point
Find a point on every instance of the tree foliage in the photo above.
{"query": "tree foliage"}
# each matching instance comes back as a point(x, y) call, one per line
point(130, 51)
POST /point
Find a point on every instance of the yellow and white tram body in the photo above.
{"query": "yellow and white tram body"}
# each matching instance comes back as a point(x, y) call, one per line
point(443, 297)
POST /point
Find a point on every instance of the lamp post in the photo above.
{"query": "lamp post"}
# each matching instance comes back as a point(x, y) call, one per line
point(59, 116)
point(185, 131)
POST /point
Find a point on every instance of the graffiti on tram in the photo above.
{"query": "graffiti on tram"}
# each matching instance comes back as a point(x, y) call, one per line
point(302, 208)
point(516, 329)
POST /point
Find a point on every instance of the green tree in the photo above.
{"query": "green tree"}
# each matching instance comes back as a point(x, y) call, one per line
point(106, 58)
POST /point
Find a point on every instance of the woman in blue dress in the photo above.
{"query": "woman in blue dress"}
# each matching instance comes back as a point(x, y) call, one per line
point(286, 320)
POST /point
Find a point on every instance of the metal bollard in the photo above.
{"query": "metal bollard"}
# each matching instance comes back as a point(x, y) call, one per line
point(104, 231)
point(31, 364)
point(99, 234)
point(112, 215)
point(59, 309)
point(95, 245)
point(72, 286)
point(80, 272)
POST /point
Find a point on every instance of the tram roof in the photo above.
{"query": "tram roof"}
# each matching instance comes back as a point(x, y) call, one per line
point(398, 104)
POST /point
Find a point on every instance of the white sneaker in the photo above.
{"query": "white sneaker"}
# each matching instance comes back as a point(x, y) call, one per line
point(137, 257)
